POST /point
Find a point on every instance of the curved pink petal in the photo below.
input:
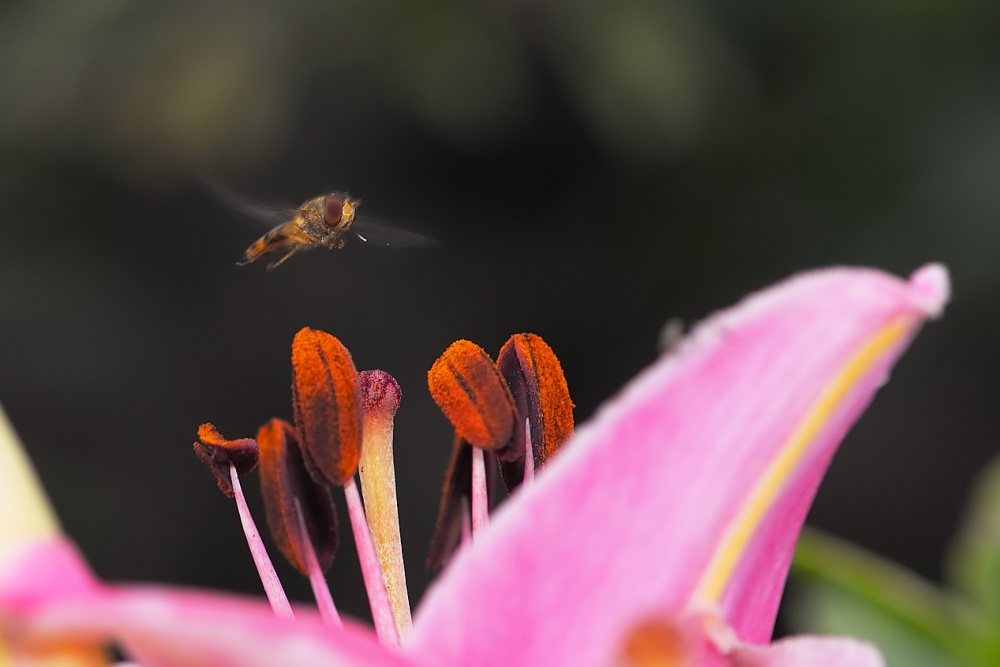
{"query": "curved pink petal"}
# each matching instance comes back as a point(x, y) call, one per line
point(754, 592)
point(642, 513)
point(809, 652)
point(166, 627)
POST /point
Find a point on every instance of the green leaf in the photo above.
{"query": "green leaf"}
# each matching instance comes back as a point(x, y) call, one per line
point(974, 563)
point(874, 598)
point(816, 607)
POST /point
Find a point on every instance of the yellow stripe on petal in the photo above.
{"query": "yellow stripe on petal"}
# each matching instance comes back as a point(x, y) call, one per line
point(746, 522)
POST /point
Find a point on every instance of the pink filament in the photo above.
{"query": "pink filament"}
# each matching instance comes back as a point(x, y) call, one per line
point(480, 498)
point(272, 586)
point(324, 601)
point(378, 597)
point(529, 453)
point(466, 525)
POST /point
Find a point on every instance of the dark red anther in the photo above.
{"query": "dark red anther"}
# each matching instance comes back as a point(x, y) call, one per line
point(540, 392)
point(456, 494)
point(218, 453)
point(284, 480)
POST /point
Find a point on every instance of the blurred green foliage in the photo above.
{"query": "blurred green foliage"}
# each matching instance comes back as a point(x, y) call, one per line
point(843, 589)
point(194, 81)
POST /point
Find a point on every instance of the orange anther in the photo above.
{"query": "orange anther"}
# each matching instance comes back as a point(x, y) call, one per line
point(539, 388)
point(327, 404)
point(467, 386)
point(655, 643)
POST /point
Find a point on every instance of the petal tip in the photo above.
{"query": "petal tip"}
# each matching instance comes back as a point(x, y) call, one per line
point(930, 286)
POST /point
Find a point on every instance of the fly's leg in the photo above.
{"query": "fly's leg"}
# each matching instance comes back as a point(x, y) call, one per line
point(279, 238)
point(273, 265)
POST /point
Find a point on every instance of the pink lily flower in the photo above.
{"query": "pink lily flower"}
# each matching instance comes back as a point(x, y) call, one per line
point(661, 535)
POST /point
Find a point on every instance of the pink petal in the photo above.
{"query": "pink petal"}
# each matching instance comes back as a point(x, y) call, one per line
point(809, 652)
point(166, 627)
point(752, 597)
point(632, 517)
point(43, 569)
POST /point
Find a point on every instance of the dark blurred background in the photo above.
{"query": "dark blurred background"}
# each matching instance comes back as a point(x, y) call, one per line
point(591, 169)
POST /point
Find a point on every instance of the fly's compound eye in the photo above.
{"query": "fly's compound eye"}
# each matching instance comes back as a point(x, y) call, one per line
point(333, 209)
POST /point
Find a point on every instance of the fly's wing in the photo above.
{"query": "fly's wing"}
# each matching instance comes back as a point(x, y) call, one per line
point(378, 233)
point(267, 214)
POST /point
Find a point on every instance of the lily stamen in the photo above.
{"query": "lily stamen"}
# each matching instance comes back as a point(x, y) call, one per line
point(317, 579)
point(466, 524)
point(227, 459)
point(371, 571)
point(265, 568)
point(480, 497)
point(529, 454)
point(486, 402)
point(661, 642)
point(326, 397)
point(469, 389)
point(300, 511)
point(454, 520)
point(538, 386)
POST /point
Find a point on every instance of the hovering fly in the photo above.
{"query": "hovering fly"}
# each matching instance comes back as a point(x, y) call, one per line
point(320, 222)
point(326, 221)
